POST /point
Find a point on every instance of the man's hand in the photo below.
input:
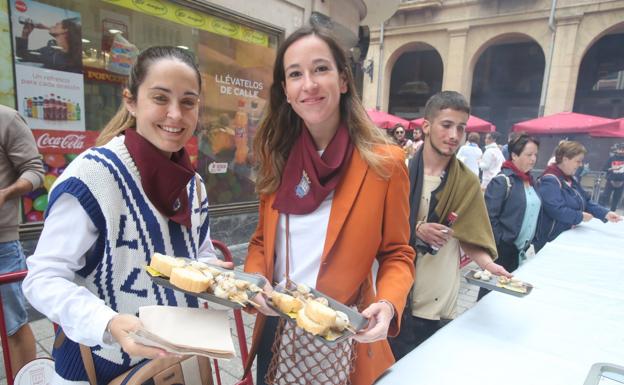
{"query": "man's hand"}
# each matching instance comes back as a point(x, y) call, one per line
point(434, 234)
point(379, 315)
point(120, 327)
point(587, 216)
point(497, 269)
point(220, 263)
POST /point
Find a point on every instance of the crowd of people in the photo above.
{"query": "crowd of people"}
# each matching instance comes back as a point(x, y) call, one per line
point(339, 211)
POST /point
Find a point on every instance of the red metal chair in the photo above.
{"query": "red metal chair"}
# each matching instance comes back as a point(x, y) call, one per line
point(238, 319)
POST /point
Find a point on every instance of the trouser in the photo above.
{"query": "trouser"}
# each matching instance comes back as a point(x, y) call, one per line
point(414, 331)
point(507, 257)
point(615, 193)
point(264, 349)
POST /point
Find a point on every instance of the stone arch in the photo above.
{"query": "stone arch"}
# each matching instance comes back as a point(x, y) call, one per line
point(506, 76)
point(406, 97)
point(598, 84)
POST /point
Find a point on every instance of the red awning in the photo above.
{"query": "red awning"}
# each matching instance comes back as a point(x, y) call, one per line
point(474, 124)
point(566, 123)
point(609, 132)
point(386, 120)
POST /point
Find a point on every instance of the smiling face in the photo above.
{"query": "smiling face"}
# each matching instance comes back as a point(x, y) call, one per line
point(527, 158)
point(313, 84)
point(445, 131)
point(570, 165)
point(166, 107)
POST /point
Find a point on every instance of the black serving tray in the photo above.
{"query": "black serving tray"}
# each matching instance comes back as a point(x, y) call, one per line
point(356, 320)
point(492, 284)
point(256, 279)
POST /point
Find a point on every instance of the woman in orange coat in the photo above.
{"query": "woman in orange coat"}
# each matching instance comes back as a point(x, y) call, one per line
point(329, 182)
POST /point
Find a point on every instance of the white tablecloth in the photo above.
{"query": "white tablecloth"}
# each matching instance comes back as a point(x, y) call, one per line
point(573, 318)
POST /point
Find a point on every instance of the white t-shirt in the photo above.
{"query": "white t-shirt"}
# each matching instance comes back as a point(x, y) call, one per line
point(470, 154)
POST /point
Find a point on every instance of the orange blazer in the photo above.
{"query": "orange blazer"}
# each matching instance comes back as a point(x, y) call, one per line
point(369, 220)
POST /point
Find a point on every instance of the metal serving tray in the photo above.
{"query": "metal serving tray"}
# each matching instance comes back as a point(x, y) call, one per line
point(356, 320)
point(605, 374)
point(492, 284)
point(252, 278)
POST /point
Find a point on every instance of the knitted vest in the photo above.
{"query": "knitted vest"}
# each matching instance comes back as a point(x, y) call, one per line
point(107, 184)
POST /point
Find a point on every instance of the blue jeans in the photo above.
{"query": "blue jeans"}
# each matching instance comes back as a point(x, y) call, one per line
point(14, 304)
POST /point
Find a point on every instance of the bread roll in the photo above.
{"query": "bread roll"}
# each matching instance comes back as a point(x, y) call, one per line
point(286, 303)
point(164, 263)
point(309, 325)
point(189, 279)
point(321, 314)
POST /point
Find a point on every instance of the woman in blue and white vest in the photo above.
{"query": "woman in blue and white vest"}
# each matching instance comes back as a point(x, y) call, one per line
point(117, 204)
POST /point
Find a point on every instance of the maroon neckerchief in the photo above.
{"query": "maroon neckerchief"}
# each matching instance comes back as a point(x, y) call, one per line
point(164, 180)
point(309, 177)
point(524, 176)
point(556, 171)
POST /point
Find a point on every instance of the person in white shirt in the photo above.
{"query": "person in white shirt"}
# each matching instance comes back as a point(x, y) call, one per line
point(492, 159)
point(134, 194)
point(470, 153)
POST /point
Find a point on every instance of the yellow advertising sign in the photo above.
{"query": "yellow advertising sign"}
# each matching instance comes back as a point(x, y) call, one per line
point(185, 16)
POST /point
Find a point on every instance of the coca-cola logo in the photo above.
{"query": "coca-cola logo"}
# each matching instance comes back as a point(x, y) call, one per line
point(20, 6)
point(66, 142)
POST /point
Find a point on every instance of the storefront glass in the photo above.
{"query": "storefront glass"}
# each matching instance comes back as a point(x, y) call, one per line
point(71, 60)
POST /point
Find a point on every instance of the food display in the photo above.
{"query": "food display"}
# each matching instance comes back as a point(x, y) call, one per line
point(215, 284)
point(316, 313)
point(485, 279)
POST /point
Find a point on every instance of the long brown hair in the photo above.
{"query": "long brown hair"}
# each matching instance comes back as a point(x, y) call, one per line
point(123, 119)
point(282, 126)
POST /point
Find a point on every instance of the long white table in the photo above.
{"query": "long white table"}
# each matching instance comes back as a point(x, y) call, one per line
point(573, 318)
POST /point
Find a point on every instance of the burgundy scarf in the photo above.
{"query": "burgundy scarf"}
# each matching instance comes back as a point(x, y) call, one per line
point(556, 171)
point(164, 180)
point(524, 176)
point(309, 177)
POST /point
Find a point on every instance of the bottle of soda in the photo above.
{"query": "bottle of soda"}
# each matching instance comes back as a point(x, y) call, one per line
point(425, 248)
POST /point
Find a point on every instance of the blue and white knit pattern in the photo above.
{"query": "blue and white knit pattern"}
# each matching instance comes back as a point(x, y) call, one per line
point(107, 184)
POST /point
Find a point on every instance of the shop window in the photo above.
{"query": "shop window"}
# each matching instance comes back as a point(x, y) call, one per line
point(72, 58)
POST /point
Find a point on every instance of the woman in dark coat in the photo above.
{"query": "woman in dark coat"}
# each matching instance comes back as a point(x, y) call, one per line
point(565, 202)
point(513, 204)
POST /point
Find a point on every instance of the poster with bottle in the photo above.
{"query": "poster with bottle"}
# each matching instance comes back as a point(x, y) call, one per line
point(7, 97)
point(47, 48)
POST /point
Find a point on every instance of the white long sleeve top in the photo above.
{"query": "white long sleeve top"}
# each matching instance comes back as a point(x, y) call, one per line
point(66, 238)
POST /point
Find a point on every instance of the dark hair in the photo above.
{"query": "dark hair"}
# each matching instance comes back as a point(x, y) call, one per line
point(281, 125)
point(474, 137)
point(518, 142)
point(140, 68)
point(398, 125)
point(494, 135)
point(443, 100)
point(74, 40)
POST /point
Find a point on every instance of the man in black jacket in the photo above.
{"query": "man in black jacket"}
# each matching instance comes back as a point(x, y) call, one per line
point(615, 178)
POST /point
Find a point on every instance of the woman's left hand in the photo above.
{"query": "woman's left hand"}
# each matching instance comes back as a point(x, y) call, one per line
point(613, 217)
point(220, 263)
point(379, 315)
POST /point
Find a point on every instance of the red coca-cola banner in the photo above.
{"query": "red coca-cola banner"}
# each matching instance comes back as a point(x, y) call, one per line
point(64, 142)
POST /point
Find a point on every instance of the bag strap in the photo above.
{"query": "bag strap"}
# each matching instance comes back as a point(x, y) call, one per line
point(87, 360)
point(287, 250)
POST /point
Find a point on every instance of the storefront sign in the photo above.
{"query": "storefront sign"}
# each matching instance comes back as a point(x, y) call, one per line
point(64, 142)
point(188, 17)
point(100, 75)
